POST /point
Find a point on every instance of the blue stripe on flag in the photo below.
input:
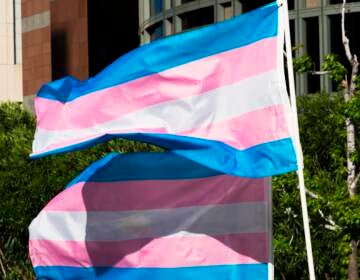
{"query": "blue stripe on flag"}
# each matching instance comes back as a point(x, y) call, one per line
point(140, 166)
point(264, 160)
point(219, 272)
point(171, 52)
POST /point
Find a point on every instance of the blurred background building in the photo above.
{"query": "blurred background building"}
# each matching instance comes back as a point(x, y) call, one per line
point(81, 37)
point(315, 26)
point(73, 37)
point(10, 50)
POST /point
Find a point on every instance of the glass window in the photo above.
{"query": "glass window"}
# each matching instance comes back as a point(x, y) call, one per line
point(352, 22)
point(312, 3)
point(291, 4)
point(335, 34)
point(312, 49)
point(156, 7)
point(292, 35)
point(169, 28)
point(197, 18)
point(156, 31)
point(341, 1)
point(292, 32)
point(248, 5)
point(228, 10)
point(167, 4)
point(336, 45)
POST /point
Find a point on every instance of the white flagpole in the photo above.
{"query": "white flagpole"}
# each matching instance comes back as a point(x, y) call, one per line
point(270, 232)
point(300, 160)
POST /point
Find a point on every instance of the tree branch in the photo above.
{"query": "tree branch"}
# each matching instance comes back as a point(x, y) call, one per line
point(350, 133)
point(354, 182)
point(311, 194)
point(349, 90)
point(332, 225)
point(351, 58)
point(1, 263)
point(344, 38)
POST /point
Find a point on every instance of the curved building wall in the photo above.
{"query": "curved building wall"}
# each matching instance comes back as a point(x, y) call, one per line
point(315, 26)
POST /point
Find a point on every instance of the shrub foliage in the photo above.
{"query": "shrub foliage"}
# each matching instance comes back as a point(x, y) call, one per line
point(27, 185)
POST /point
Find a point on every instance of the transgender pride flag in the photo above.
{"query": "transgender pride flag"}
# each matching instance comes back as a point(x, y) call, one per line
point(216, 95)
point(154, 216)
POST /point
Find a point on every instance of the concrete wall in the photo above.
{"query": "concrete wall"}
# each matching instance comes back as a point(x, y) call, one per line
point(10, 51)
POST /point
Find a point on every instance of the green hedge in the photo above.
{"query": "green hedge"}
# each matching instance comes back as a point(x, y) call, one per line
point(27, 185)
point(334, 217)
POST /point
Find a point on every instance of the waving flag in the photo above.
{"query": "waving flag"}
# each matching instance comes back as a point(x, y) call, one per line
point(154, 216)
point(216, 95)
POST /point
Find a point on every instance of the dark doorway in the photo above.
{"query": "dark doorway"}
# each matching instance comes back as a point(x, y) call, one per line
point(59, 54)
point(113, 31)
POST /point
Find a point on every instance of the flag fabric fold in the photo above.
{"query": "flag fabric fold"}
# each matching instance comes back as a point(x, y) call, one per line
point(215, 95)
point(154, 216)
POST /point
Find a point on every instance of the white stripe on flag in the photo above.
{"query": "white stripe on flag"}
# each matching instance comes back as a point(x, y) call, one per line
point(125, 225)
point(182, 114)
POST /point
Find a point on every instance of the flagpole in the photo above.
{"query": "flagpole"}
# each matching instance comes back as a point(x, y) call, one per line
point(300, 171)
point(271, 271)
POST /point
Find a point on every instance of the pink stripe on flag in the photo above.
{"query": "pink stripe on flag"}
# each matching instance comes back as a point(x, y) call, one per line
point(174, 251)
point(190, 79)
point(250, 129)
point(124, 196)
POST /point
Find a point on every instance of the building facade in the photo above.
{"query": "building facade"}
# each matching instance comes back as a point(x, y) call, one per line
point(315, 26)
point(50, 29)
point(10, 51)
point(73, 37)
point(47, 39)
